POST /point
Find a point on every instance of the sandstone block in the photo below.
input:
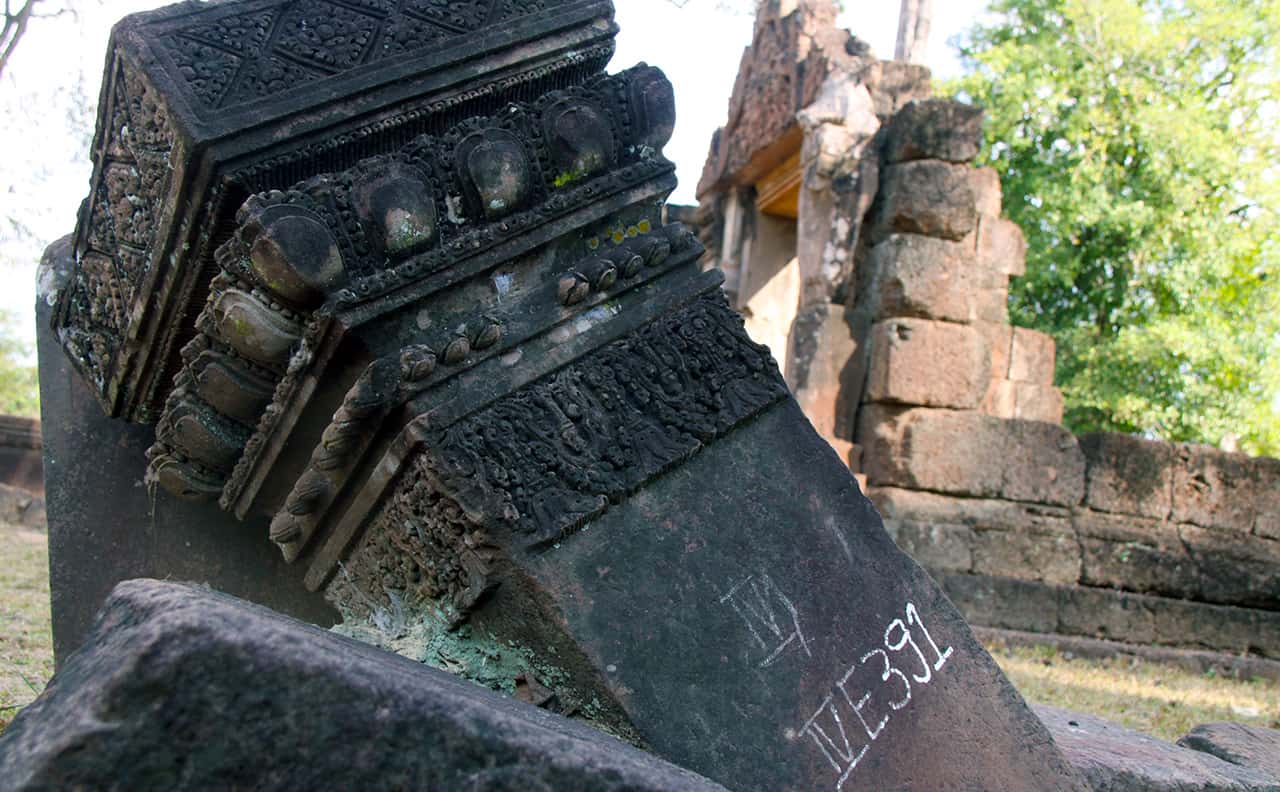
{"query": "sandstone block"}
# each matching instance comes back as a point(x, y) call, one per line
point(942, 450)
point(1049, 555)
point(894, 84)
point(986, 190)
point(1266, 521)
point(970, 453)
point(1128, 474)
point(1003, 602)
point(923, 277)
point(1001, 246)
point(935, 364)
point(938, 547)
point(1111, 757)
point(992, 305)
point(1254, 747)
point(1135, 554)
point(1226, 491)
point(1032, 356)
point(179, 687)
point(940, 129)
point(1001, 400)
point(1033, 402)
point(981, 513)
point(1222, 628)
point(1102, 613)
point(1043, 464)
point(1234, 570)
point(927, 197)
point(999, 340)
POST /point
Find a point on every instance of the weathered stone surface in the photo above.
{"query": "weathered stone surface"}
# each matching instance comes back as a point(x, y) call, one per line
point(942, 450)
point(987, 193)
point(1001, 400)
point(1128, 474)
point(938, 547)
point(940, 129)
point(970, 453)
point(1033, 402)
point(1135, 554)
point(1116, 759)
point(999, 340)
point(1001, 246)
point(927, 197)
point(991, 305)
point(1234, 570)
point(1044, 552)
point(1114, 615)
point(1254, 747)
point(1042, 463)
point(895, 84)
point(742, 684)
point(20, 507)
point(203, 691)
point(924, 277)
point(1031, 357)
point(936, 364)
point(1226, 491)
point(21, 464)
point(827, 369)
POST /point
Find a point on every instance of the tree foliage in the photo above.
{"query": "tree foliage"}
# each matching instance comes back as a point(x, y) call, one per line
point(1137, 143)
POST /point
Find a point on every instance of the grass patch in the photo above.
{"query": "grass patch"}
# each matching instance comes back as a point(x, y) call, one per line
point(1161, 700)
point(1150, 697)
point(26, 640)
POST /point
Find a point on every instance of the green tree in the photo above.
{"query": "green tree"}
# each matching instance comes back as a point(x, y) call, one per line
point(1138, 147)
point(19, 385)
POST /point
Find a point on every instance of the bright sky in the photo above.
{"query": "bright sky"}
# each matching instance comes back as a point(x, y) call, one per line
point(44, 172)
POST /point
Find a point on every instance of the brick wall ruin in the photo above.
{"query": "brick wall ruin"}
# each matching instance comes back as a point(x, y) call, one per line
point(866, 249)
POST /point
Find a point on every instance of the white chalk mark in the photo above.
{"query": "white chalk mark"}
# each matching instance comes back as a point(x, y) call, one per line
point(897, 646)
point(840, 754)
point(757, 601)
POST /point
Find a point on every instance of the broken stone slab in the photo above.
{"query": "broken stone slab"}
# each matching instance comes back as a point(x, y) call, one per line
point(1254, 747)
point(940, 129)
point(180, 687)
point(204, 104)
point(1116, 759)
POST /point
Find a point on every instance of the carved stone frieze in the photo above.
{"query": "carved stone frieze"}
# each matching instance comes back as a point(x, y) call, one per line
point(206, 104)
point(527, 470)
point(346, 239)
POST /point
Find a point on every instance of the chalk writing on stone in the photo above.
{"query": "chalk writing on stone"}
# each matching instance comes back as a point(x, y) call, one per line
point(769, 615)
point(854, 715)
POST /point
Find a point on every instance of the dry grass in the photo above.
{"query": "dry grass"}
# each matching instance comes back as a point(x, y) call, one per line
point(1153, 698)
point(26, 641)
point(1146, 696)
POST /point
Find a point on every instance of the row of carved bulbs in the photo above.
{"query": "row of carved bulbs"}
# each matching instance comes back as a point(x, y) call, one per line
point(286, 261)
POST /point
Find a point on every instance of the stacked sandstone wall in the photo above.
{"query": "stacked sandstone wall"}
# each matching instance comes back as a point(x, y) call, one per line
point(1028, 527)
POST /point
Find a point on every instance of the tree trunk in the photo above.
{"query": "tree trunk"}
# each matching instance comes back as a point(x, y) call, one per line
point(913, 30)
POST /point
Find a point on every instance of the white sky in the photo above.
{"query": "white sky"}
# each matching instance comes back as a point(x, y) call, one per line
point(44, 173)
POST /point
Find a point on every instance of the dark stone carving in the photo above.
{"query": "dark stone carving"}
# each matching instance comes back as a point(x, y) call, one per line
point(351, 237)
point(203, 105)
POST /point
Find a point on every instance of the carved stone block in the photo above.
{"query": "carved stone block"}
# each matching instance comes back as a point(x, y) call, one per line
point(205, 104)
